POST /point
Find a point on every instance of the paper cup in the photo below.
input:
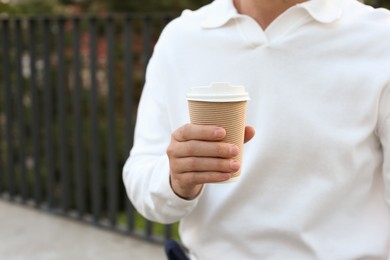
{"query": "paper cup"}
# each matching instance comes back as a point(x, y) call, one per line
point(222, 105)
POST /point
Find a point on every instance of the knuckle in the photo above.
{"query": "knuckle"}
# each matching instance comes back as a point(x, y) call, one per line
point(177, 134)
point(170, 151)
point(188, 125)
point(174, 169)
point(173, 136)
point(183, 131)
point(178, 179)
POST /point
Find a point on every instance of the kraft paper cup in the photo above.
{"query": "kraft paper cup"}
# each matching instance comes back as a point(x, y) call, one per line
point(223, 105)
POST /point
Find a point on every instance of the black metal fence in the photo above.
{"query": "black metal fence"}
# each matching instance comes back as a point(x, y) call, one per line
point(68, 99)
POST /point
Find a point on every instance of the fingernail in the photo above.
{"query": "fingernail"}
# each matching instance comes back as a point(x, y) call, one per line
point(234, 150)
point(225, 176)
point(219, 133)
point(235, 165)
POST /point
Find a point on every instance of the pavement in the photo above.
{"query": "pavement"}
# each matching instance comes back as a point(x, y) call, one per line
point(26, 233)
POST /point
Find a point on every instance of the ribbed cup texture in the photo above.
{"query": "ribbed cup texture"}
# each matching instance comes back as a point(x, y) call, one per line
point(228, 115)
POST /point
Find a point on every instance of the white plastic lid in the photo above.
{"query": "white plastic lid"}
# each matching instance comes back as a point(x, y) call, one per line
point(218, 92)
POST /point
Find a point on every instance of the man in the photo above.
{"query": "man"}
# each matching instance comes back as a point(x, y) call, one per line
point(315, 180)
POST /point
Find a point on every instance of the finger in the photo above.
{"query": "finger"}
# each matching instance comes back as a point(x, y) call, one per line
point(200, 164)
point(249, 133)
point(199, 132)
point(197, 148)
point(196, 178)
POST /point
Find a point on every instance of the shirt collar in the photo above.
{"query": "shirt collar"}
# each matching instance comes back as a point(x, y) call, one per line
point(323, 11)
point(222, 11)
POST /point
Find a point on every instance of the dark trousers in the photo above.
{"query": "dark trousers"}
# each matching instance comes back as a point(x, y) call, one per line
point(174, 251)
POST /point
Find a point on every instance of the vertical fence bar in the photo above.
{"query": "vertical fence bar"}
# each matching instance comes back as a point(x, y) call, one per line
point(128, 103)
point(166, 19)
point(62, 115)
point(146, 53)
point(147, 38)
point(2, 117)
point(20, 109)
point(48, 108)
point(9, 168)
point(112, 168)
point(34, 117)
point(78, 124)
point(57, 93)
point(2, 150)
point(95, 169)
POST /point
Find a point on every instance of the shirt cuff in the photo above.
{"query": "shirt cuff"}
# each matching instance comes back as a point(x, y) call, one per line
point(170, 203)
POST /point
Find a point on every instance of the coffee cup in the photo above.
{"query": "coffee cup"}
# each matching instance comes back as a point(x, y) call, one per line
point(223, 105)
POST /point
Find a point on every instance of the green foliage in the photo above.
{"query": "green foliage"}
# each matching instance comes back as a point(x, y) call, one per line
point(140, 225)
point(379, 3)
point(92, 6)
point(153, 5)
point(117, 6)
point(32, 7)
point(5, 8)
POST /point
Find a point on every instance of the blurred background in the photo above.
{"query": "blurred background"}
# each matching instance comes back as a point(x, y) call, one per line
point(71, 75)
point(13, 7)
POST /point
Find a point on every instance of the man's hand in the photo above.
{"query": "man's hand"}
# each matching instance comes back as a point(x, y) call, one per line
point(196, 158)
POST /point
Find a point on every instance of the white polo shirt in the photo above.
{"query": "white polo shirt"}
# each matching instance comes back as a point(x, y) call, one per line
point(315, 179)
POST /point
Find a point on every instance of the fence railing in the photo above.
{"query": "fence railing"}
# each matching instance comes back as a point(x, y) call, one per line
point(68, 99)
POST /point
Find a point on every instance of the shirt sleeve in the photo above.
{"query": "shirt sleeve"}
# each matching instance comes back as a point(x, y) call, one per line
point(384, 135)
point(146, 171)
